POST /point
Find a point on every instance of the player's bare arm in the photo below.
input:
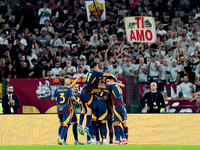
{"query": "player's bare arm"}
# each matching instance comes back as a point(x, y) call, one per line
point(101, 86)
point(75, 81)
point(74, 99)
point(108, 74)
point(120, 84)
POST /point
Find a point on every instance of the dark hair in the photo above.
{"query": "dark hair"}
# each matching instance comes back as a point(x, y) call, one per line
point(93, 65)
point(47, 20)
point(105, 68)
point(62, 81)
point(33, 60)
point(110, 78)
point(66, 77)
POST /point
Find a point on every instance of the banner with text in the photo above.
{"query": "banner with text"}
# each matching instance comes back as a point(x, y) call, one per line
point(140, 29)
point(35, 94)
point(96, 8)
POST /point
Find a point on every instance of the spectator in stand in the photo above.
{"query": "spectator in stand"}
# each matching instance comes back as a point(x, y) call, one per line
point(35, 45)
point(165, 96)
point(71, 23)
point(128, 68)
point(69, 69)
point(86, 68)
point(79, 71)
point(160, 30)
point(186, 87)
point(13, 24)
point(3, 39)
point(173, 73)
point(95, 41)
point(60, 29)
point(141, 70)
point(3, 68)
point(49, 29)
point(22, 71)
point(44, 13)
point(36, 72)
point(46, 68)
point(163, 71)
point(27, 16)
point(62, 73)
point(30, 56)
point(170, 56)
point(192, 64)
point(54, 43)
point(42, 38)
point(192, 47)
point(115, 69)
point(55, 71)
point(153, 67)
point(49, 75)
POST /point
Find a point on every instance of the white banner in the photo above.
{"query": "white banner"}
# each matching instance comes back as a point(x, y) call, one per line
point(96, 8)
point(140, 29)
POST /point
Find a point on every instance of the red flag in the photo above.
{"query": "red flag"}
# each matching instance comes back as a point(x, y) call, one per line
point(134, 3)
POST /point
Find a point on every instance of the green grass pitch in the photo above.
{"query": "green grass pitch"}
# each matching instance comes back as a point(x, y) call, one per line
point(100, 147)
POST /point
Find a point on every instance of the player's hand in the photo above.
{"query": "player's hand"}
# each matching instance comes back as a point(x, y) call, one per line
point(147, 108)
point(115, 78)
point(79, 76)
point(155, 107)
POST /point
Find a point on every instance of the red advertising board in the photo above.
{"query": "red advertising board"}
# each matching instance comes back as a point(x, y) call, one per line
point(35, 94)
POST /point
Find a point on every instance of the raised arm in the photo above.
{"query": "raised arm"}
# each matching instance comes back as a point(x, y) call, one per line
point(75, 81)
point(120, 84)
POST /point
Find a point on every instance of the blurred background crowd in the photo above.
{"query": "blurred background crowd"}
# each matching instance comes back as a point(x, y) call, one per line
point(52, 38)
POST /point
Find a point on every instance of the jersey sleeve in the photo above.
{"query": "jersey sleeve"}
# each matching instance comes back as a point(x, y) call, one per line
point(54, 93)
point(108, 87)
point(99, 74)
point(71, 93)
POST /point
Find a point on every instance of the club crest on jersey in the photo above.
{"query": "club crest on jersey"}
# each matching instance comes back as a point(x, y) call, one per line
point(45, 91)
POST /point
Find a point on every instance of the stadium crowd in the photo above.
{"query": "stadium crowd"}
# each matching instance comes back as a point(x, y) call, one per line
point(52, 38)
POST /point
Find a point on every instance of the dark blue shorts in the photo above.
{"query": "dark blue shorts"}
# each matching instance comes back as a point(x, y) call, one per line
point(119, 114)
point(99, 110)
point(73, 115)
point(65, 119)
point(86, 99)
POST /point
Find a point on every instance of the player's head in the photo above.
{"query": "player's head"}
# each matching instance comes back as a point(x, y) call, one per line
point(67, 80)
point(10, 89)
point(109, 79)
point(94, 66)
point(62, 81)
point(76, 87)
